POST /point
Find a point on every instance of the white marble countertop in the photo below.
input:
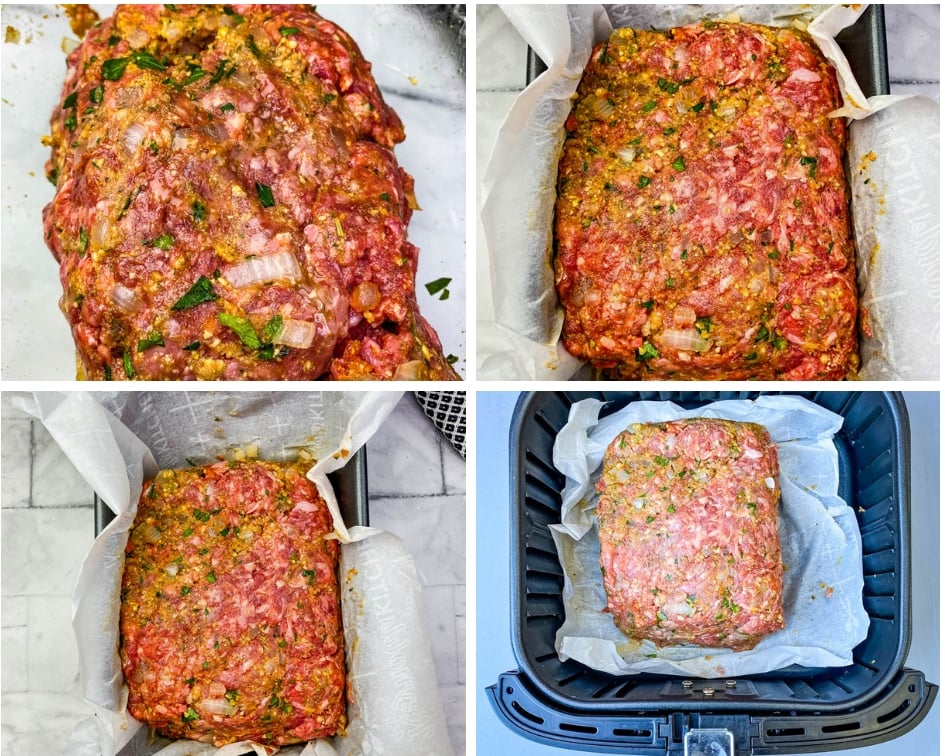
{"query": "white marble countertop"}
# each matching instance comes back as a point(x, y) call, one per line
point(912, 42)
point(494, 654)
point(417, 491)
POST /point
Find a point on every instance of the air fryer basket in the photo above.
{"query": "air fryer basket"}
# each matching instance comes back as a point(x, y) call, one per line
point(791, 710)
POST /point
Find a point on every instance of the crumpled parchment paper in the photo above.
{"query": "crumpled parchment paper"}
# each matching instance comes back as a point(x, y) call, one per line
point(119, 439)
point(520, 337)
point(820, 542)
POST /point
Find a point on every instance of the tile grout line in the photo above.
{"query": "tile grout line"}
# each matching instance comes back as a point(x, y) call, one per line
point(32, 456)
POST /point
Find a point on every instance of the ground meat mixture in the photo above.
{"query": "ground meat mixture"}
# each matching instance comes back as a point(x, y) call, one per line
point(230, 615)
point(702, 224)
point(688, 518)
point(228, 205)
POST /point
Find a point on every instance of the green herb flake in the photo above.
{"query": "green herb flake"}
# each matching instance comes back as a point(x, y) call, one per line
point(661, 461)
point(198, 211)
point(309, 575)
point(440, 284)
point(190, 715)
point(385, 196)
point(153, 339)
point(671, 509)
point(779, 343)
point(253, 48)
point(201, 291)
point(603, 58)
point(146, 61)
point(329, 98)
point(164, 241)
point(811, 163)
point(272, 328)
point(762, 333)
point(704, 326)
point(190, 681)
point(83, 241)
point(647, 351)
point(647, 305)
point(660, 616)
point(242, 328)
point(230, 696)
point(97, 94)
point(288, 31)
point(220, 73)
point(648, 106)
point(752, 506)
point(697, 108)
point(649, 519)
point(643, 182)
point(113, 40)
point(201, 515)
point(774, 254)
point(70, 122)
point(669, 130)
point(70, 101)
point(670, 283)
point(211, 577)
point(227, 107)
point(188, 532)
point(265, 195)
point(225, 532)
point(193, 346)
point(670, 87)
point(114, 68)
point(679, 164)
point(196, 74)
point(171, 8)
point(126, 364)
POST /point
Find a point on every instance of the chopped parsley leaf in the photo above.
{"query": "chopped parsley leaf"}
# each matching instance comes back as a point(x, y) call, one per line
point(201, 515)
point(201, 291)
point(288, 31)
point(193, 346)
point(644, 181)
point(97, 94)
point(114, 68)
point(70, 101)
point(198, 210)
point(679, 164)
point(126, 363)
point(647, 352)
point(153, 339)
point(272, 328)
point(164, 241)
point(227, 107)
point(265, 195)
point(242, 328)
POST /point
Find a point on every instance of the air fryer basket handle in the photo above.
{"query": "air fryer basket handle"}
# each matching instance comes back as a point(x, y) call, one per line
point(902, 705)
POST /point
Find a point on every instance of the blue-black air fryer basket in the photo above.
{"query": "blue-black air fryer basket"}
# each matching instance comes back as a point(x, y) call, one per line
point(792, 710)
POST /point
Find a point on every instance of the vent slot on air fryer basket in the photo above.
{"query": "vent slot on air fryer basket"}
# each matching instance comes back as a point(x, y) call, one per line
point(871, 458)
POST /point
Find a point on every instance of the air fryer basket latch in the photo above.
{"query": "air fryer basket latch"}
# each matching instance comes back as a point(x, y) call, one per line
point(709, 742)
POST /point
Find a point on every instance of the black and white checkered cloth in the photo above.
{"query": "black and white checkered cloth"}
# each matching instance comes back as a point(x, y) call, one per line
point(447, 410)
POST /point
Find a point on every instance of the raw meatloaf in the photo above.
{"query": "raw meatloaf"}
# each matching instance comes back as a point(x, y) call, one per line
point(688, 518)
point(702, 224)
point(228, 204)
point(230, 615)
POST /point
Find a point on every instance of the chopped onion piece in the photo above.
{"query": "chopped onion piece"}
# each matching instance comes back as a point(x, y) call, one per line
point(408, 371)
point(600, 107)
point(134, 135)
point(638, 503)
point(172, 569)
point(125, 299)
point(150, 533)
point(627, 154)
point(264, 270)
point(769, 482)
point(688, 340)
point(679, 607)
point(298, 334)
point(218, 706)
point(805, 75)
point(752, 453)
point(100, 228)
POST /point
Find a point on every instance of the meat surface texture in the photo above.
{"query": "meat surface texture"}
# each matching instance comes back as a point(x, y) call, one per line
point(702, 224)
point(228, 205)
point(230, 615)
point(688, 517)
